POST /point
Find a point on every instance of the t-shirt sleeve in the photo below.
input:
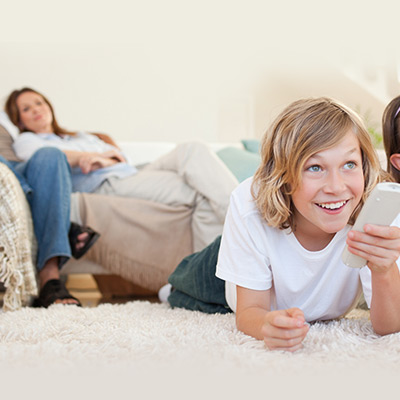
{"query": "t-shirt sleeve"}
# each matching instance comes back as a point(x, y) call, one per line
point(28, 143)
point(243, 258)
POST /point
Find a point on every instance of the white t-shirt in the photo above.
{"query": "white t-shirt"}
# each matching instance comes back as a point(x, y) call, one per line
point(258, 257)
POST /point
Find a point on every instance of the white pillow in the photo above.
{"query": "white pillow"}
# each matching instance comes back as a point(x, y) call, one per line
point(11, 128)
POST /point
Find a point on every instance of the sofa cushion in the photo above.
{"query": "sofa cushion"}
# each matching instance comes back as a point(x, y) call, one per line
point(252, 145)
point(6, 141)
point(242, 163)
point(8, 125)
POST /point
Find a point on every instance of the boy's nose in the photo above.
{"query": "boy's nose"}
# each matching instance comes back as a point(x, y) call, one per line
point(335, 183)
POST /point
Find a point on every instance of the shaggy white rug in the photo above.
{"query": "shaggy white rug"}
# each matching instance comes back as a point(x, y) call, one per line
point(141, 340)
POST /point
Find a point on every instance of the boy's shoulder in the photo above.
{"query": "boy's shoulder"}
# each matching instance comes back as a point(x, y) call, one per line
point(243, 198)
point(243, 190)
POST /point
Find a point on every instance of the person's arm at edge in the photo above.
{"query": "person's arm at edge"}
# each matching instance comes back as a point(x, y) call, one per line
point(385, 302)
point(380, 246)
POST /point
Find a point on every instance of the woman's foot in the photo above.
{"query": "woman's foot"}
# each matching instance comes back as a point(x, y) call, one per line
point(52, 289)
point(81, 239)
point(55, 292)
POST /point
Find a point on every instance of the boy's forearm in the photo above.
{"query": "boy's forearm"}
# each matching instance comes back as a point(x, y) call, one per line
point(250, 321)
point(385, 303)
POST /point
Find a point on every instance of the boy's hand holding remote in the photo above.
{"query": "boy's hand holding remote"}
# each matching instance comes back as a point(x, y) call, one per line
point(372, 241)
point(378, 245)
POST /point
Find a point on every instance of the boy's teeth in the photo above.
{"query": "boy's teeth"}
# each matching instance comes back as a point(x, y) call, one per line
point(332, 206)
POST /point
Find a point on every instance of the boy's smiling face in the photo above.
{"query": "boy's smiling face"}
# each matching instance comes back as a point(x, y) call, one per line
point(332, 186)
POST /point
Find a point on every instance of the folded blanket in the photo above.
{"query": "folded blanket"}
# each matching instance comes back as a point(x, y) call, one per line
point(17, 243)
point(141, 241)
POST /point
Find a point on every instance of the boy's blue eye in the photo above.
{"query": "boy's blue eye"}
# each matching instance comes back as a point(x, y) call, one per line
point(314, 168)
point(350, 165)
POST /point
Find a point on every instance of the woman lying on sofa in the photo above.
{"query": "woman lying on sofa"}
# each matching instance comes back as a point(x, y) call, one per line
point(99, 167)
point(191, 175)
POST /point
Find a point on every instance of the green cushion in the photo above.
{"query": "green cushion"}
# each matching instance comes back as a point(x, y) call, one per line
point(242, 163)
point(252, 145)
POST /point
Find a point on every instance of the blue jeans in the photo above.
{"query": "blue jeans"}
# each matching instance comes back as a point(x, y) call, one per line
point(46, 181)
point(195, 286)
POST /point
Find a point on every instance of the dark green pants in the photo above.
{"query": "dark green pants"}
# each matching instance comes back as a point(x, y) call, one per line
point(195, 286)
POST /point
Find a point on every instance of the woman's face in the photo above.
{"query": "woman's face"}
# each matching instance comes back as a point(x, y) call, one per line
point(34, 113)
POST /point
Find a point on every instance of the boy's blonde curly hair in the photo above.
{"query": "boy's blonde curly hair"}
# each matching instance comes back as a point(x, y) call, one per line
point(302, 129)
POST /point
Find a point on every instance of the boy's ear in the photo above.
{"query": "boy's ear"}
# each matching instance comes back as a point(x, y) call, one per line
point(395, 160)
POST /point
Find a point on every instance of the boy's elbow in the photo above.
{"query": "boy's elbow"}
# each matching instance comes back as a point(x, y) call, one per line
point(239, 323)
point(384, 329)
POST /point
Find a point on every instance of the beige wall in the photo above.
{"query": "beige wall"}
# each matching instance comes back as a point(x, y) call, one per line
point(333, 81)
point(182, 70)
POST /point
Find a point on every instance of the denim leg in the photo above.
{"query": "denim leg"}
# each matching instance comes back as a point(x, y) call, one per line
point(15, 166)
point(195, 286)
point(48, 174)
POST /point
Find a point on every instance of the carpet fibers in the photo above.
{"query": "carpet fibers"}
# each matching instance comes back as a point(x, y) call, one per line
point(139, 337)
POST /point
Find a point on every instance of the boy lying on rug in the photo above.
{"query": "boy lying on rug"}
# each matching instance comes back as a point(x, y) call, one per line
point(286, 228)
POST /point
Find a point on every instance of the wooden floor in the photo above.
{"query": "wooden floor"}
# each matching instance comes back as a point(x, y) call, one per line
point(92, 290)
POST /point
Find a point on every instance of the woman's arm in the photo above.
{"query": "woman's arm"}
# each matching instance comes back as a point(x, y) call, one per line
point(89, 162)
point(106, 138)
point(103, 156)
point(74, 157)
point(281, 329)
point(380, 246)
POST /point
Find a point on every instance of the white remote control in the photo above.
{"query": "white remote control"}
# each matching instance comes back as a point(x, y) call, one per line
point(381, 208)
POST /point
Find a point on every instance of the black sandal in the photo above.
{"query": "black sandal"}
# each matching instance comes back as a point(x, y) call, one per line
point(54, 290)
point(74, 231)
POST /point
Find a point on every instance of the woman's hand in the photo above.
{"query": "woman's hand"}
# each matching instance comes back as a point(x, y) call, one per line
point(285, 329)
point(114, 154)
point(379, 245)
point(90, 162)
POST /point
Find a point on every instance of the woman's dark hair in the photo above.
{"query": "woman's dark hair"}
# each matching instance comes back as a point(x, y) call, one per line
point(391, 134)
point(12, 111)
